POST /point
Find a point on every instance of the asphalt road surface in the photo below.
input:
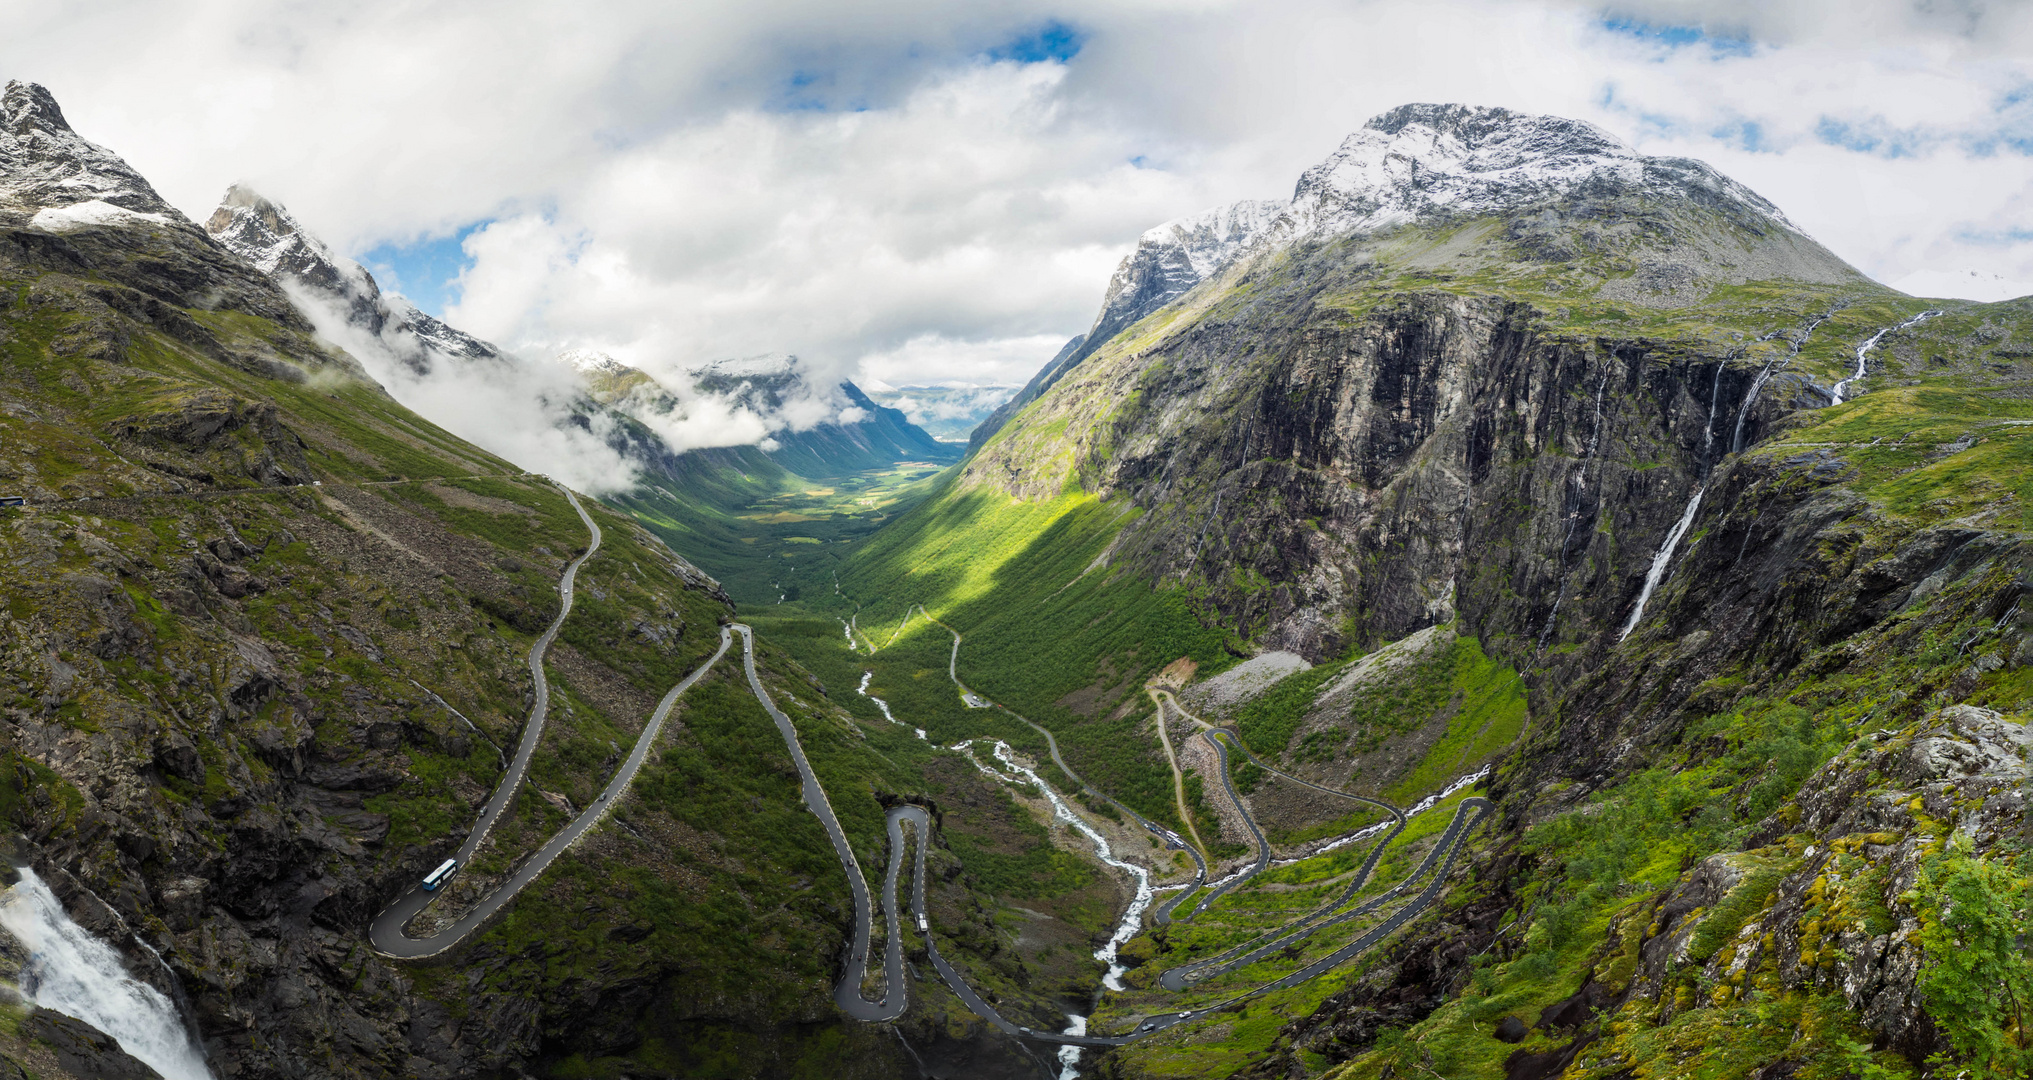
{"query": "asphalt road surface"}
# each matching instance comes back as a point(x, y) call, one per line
point(386, 932)
point(847, 992)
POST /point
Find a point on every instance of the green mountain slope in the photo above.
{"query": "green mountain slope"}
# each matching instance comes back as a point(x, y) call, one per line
point(1493, 424)
point(262, 656)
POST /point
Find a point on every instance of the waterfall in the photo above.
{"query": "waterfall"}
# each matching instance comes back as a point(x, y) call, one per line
point(71, 972)
point(1864, 350)
point(1708, 433)
point(1069, 1055)
point(1660, 562)
point(1736, 443)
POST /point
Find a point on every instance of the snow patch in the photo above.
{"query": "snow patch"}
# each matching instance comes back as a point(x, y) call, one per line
point(91, 212)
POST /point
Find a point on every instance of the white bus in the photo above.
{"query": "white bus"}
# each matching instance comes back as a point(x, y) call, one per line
point(441, 875)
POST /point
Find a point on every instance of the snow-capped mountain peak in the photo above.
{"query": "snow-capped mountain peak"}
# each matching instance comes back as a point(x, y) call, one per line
point(52, 178)
point(265, 234)
point(1417, 162)
point(763, 366)
point(1428, 163)
point(593, 362)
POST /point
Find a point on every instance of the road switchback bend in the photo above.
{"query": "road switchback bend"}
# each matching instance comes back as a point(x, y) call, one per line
point(386, 932)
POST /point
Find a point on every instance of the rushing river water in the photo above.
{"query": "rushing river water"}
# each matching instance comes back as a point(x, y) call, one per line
point(71, 972)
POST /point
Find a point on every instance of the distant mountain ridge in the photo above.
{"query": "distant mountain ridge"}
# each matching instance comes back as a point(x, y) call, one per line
point(868, 436)
point(836, 431)
point(1425, 163)
point(947, 413)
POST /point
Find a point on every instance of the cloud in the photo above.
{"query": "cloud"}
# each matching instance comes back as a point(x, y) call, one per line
point(519, 410)
point(924, 192)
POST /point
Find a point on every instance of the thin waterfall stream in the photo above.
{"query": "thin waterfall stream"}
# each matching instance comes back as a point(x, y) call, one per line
point(1663, 561)
point(1771, 368)
point(71, 972)
point(1864, 350)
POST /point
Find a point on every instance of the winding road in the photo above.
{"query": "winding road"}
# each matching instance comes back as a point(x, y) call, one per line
point(386, 932)
point(388, 937)
point(847, 992)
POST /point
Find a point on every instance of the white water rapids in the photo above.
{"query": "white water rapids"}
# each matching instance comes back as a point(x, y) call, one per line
point(1133, 917)
point(1069, 1056)
point(71, 972)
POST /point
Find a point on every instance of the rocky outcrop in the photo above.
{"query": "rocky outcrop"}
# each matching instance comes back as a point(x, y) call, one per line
point(84, 1050)
point(1425, 164)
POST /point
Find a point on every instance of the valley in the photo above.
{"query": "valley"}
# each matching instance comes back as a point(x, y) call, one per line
point(1550, 619)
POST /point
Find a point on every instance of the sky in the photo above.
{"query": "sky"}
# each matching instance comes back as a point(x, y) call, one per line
point(914, 192)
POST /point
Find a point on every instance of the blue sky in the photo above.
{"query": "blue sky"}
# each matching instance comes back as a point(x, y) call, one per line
point(426, 271)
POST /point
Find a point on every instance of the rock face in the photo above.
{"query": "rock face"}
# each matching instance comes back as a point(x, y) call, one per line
point(85, 1050)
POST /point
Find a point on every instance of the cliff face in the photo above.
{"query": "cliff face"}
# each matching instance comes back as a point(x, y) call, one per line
point(1588, 419)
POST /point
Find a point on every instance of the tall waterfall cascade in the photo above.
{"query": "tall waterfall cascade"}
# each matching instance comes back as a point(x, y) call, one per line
point(71, 972)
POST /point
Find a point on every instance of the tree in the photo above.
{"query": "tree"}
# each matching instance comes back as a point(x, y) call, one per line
point(1976, 976)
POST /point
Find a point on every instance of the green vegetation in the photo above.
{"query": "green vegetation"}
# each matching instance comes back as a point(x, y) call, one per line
point(765, 533)
point(1047, 632)
point(1036, 870)
point(1268, 721)
point(1979, 976)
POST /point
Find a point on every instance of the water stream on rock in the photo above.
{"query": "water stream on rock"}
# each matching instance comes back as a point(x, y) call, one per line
point(1664, 559)
point(71, 972)
point(1661, 562)
point(1864, 350)
point(1069, 1056)
point(1771, 368)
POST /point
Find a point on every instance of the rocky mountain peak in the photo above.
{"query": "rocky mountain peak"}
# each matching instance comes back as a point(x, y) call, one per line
point(1430, 163)
point(1419, 162)
point(763, 366)
point(52, 178)
point(592, 362)
point(30, 107)
point(266, 235)
point(335, 292)
point(1423, 159)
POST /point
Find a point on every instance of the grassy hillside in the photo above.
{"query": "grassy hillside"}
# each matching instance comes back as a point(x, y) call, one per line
point(763, 531)
point(1735, 782)
point(264, 643)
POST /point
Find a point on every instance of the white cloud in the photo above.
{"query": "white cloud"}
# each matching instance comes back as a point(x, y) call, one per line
point(655, 185)
point(519, 410)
